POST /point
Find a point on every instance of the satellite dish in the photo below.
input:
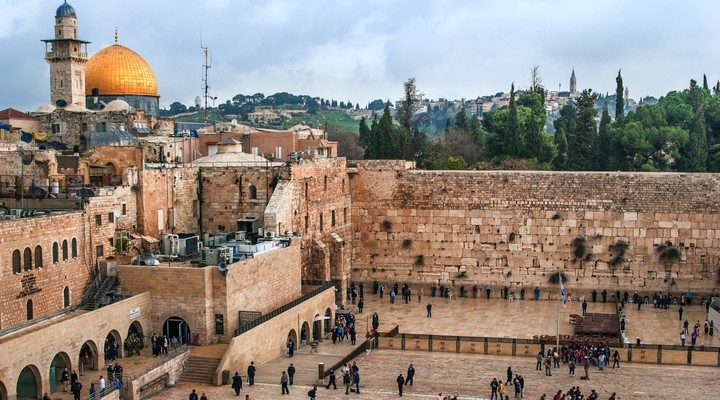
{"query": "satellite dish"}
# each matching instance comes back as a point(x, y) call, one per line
point(222, 268)
point(61, 103)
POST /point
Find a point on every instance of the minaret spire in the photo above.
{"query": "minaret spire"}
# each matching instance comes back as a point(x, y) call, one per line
point(116, 35)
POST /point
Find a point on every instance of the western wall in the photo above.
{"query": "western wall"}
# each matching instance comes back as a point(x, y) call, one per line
point(603, 230)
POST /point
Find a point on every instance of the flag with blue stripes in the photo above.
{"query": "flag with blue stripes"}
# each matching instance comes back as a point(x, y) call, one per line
point(562, 291)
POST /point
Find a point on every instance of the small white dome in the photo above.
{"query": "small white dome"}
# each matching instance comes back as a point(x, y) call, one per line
point(117, 105)
point(46, 109)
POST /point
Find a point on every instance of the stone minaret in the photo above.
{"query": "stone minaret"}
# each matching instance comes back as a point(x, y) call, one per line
point(66, 55)
point(627, 95)
point(573, 83)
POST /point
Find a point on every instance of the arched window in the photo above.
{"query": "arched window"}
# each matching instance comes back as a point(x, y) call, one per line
point(252, 192)
point(16, 262)
point(38, 257)
point(74, 248)
point(55, 252)
point(65, 250)
point(66, 297)
point(27, 259)
point(29, 310)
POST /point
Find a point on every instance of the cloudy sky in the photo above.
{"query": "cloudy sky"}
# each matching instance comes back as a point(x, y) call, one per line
point(362, 50)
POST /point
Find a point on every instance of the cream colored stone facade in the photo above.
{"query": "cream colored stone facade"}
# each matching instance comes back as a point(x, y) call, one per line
point(516, 229)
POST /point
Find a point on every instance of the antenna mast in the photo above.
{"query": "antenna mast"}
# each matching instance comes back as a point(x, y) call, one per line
point(206, 87)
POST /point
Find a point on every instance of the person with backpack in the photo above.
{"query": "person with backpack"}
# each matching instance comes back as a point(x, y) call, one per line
point(312, 393)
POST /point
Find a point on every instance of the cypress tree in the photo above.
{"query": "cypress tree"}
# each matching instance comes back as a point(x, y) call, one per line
point(604, 140)
point(619, 98)
point(513, 126)
point(582, 145)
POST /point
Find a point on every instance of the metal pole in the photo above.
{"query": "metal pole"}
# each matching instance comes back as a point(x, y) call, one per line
point(557, 336)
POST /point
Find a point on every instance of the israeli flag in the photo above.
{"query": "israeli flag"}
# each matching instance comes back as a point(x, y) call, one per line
point(562, 291)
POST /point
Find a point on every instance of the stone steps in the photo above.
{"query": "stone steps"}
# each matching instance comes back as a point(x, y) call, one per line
point(199, 369)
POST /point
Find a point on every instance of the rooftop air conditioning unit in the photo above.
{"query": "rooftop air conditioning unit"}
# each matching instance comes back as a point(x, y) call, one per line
point(240, 235)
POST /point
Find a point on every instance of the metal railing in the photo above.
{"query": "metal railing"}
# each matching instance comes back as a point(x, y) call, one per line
point(274, 313)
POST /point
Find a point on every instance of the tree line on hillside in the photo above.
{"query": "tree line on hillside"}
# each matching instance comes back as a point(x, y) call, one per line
point(241, 105)
point(680, 132)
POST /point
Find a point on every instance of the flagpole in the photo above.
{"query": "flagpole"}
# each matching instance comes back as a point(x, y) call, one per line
point(557, 336)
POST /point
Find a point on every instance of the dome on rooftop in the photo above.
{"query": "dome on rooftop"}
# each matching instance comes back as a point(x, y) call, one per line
point(117, 105)
point(119, 71)
point(46, 109)
point(65, 10)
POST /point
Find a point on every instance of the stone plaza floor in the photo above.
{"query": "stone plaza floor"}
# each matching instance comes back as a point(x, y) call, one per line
point(468, 374)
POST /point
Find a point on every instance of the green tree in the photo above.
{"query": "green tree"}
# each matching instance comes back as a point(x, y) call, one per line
point(514, 140)
point(582, 143)
point(376, 105)
point(695, 152)
point(364, 132)
point(603, 154)
point(619, 98)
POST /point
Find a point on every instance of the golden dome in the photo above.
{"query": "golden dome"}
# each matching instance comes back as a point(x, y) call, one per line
point(117, 70)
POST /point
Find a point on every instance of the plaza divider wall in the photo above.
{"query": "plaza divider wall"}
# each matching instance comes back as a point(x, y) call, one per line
point(646, 353)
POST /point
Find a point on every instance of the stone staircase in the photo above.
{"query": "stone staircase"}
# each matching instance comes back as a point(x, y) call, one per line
point(201, 365)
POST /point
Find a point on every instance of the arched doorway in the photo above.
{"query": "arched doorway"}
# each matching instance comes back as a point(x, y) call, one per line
point(3, 392)
point(292, 335)
point(317, 327)
point(60, 362)
point(135, 339)
point(328, 320)
point(177, 330)
point(112, 346)
point(304, 333)
point(66, 297)
point(88, 357)
point(28, 383)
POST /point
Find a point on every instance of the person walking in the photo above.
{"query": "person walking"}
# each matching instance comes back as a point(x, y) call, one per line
point(346, 381)
point(539, 358)
point(284, 383)
point(584, 307)
point(680, 313)
point(400, 382)
point(429, 310)
point(251, 373)
point(487, 291)
point(331, 379)
point(616, 359)
point(291, 347)
point(682, 338)
point(410, 375)
point(91, 391)
point(237, 383)
point(312, 393)
point(193, 395)
point(291, 372)
point(203, 397)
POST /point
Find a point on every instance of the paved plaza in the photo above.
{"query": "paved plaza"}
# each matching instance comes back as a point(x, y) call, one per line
point(469, 375)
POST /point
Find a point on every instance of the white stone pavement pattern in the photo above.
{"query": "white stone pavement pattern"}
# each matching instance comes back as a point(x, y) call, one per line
point(469, 375)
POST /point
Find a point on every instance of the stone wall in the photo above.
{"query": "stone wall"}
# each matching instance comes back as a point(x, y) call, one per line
point(112, 210)
point(267, 341)
point(641, 231)
point(321, 193)
point(230, 193)
point(262, 284)
point(44, 282)
point(64, 336)
point(173, 368)
point(169, 201)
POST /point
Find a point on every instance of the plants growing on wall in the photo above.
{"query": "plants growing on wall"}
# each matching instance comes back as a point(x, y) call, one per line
point(579, 249)
point(617, 253)
point(554, 278)
point(668, 254)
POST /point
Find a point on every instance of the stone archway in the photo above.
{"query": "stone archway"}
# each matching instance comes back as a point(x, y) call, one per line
point(317, 327)
point(177, 330)
point(329, 321)
point(304, 333)
point(112, 346)
point(292, 335)
point(29, 385)
point(88, 357)
point(135, 330)
point(58, 364)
